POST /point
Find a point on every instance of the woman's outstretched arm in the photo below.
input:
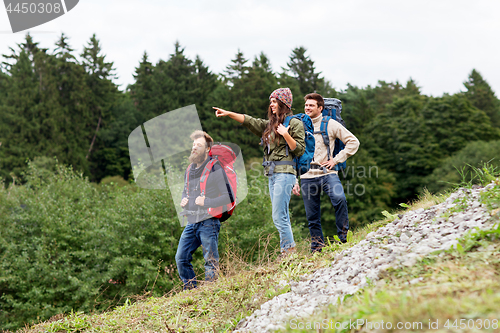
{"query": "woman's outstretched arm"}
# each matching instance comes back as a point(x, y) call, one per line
point(233, 115)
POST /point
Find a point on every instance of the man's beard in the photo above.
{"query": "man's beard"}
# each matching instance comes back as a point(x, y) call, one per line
point(196, 158)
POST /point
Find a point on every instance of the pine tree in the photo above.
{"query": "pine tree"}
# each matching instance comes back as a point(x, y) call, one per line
point(237, 70)
point(75, 98)
point(4, 83)
point(357, 109)
point(49, 108)
point(416, 133)
point(104, 95)
point(173, 83)
point(99, 80)
point(247, 92)
point(411, 87)
point(302, 69)
point(482, 96)
point(179, 79)
point(18, 116)
point(142, 90)
point(112, 158)
point(64, 50)
point(205, 82)
point(259, 84)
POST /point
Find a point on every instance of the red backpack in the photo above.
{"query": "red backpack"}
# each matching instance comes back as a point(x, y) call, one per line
point(225, 156)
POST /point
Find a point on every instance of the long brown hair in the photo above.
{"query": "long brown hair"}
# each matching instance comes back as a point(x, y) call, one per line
point(274, 121)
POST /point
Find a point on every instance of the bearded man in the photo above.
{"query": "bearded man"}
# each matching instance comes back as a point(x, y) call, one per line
point(202, 228)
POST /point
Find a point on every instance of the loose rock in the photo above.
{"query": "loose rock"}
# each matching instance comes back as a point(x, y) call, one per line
point(402, 242)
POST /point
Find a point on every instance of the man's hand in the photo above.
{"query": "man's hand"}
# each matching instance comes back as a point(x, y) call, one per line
point(329, 164)
point(184, 202)
point(282, 130)
point(296, 189)
point(200, 201)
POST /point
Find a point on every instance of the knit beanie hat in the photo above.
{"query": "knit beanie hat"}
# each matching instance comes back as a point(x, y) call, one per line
point(284, 95)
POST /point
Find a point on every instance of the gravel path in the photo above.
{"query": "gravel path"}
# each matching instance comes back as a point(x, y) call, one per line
point(400, 243)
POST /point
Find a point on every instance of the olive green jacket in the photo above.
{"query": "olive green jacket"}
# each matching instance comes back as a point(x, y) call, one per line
point(277, 151)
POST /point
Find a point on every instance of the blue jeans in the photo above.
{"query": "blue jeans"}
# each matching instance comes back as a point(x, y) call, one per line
point(206, 234)
point(311, 193)
point(280, 190)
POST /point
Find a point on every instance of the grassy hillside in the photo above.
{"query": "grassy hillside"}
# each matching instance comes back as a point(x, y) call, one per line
point(69, 245)
point(461, 284)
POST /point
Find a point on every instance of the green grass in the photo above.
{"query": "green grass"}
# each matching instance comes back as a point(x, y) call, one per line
point(440, 289)
point(459, 284)
point(214, 307)
point(441, 293)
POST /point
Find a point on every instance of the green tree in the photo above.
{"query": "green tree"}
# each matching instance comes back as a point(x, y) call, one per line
point(482, 96)
point(458, 167)
point(171, 84)
point(19, 115)
point(113, 158)
point(73, 96)
point(416, 133)
point(237, 70)
point(175, 78)
point(303, 70)
point(142, 90)
point(361, 105)
point(54, 104)
point(4, 83)
point(103, 97)
point(357, 108)
point(244, 89)
point(302, 78)
point(411, 88)
point(205, 82)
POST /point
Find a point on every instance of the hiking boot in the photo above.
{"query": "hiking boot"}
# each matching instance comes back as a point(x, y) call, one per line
point(286, 253)
point(316, 249)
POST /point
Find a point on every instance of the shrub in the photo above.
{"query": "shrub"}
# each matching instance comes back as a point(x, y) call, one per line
point(458, 169)
point(66, 244)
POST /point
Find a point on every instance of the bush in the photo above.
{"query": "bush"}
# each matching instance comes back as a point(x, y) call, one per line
point(114, 180)
point(458, 169)
point(69, 245)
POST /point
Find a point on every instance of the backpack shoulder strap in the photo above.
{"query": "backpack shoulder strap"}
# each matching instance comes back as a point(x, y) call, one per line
point(205, 173)
point(324, 133)
point(287, 120)
point(186, 179)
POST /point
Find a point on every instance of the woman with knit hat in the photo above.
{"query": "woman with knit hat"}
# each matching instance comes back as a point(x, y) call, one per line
point(280, 144)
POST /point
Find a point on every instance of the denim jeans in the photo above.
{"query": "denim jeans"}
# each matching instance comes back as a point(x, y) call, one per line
point(311, 193)
point(280, 190)
point(206, 234)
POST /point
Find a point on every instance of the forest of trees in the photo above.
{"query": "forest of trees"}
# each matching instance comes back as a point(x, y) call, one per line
point(56, 105)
